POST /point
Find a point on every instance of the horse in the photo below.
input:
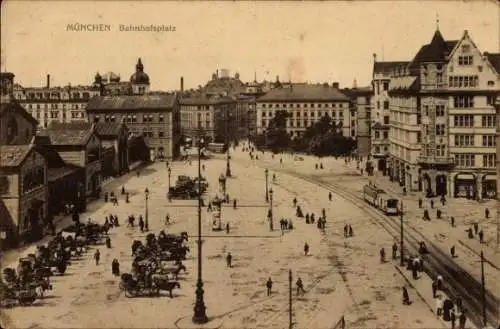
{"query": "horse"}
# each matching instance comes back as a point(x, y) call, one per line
point(165, 285)
point(173, 270)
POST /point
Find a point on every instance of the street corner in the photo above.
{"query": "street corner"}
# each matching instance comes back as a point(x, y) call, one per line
point(186, 322)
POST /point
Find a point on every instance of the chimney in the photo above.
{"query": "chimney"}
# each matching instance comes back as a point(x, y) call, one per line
point(48, 80)
point(182, 84)
point(374, 57)
point(335, 85)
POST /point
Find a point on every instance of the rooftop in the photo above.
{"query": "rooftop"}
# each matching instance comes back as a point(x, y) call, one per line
point(108, 128)
point(494, 60)
point(304, 92)
point(387, 67)
point(13, 155)
point(16, 107)
point(204, 99)
point(73, 133)
point(54, 174)
point(436, 51)
point(136, 102)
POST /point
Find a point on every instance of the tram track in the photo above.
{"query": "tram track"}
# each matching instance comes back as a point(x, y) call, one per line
point(457, 282)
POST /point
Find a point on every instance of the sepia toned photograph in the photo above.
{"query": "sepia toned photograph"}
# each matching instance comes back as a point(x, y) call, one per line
point(250, 164)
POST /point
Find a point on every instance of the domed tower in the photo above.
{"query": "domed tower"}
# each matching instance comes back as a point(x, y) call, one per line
point(139, 80)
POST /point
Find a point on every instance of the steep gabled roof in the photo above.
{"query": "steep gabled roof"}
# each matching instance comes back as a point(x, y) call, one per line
point(494, 60)
point(436, 51)
point(108, 128)
point(17, 108)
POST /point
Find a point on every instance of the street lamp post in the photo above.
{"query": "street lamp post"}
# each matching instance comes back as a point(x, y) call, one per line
point(146, 193)
point(271, 210)
point(169, 172)
point(200, 315)
point(267, 190)
point(401, 242)
point(228, 166)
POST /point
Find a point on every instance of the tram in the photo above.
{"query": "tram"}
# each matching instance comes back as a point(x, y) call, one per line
point(380, 200)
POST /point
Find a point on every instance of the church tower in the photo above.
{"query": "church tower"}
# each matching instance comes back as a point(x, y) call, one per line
point(139, 80)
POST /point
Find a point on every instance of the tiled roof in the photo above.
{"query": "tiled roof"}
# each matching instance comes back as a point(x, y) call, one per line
point(142, 102)
point(303, 92)
point(74, 133)
point(402, 83)
point(54, 174)
point(494, 60)
point(107, 128)
point(435, 51)
point(387, 67)
point(13, 155)
point(51, 156)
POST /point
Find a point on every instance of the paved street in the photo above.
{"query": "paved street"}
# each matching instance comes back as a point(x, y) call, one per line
point(341, 276)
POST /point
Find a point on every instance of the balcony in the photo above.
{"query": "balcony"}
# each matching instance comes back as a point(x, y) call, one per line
point(438, 160)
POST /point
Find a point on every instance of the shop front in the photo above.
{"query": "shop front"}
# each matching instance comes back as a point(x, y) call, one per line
point(489, 187)
point(465, 186)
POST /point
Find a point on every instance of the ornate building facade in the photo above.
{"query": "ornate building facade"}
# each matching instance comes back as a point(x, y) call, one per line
point(443, 120)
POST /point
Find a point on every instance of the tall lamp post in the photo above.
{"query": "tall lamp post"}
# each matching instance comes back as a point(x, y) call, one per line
point(200, 315)
point(146, 194)
point(267, 190)
point(271, 210)
point(228, 166)
point(169, 172)
point(401, 241)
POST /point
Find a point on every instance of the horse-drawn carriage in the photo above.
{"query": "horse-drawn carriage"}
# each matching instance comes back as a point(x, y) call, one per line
point(10, 294)
point(146, 284)
point(23, 287)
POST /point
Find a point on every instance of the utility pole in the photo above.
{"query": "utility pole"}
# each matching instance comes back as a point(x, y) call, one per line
point(290, 324)
point(483, 290)
point(401, 242)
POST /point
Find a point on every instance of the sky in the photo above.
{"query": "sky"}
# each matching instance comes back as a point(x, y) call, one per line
point(299, 41)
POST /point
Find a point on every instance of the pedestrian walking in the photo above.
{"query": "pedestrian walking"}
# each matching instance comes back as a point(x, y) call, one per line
point(234, 204)
point(439, 282)
point(443, 200)
point(115, 267)
point(452, 219)
point(382, 255)
point(269, 286)
point(351, 233)
point(438, 214)
point(108, 242)
point(458, 302)
point(439, 306)
point(406, 297)
point(420, 202)
point(227, 228)
point(141, 224)
point(487, 213)
point(167, 219)
point(330, 196)
point(481, 236)
point(452, 251)
point(123, 190)
point(394, 250)
point(294, 202)
point(300, 287)
point(346, 231)
point(432, 204)
point(476, 228)
point(453, 319)
point(434, 288)
point(470, 233)
point(462, 319)
point(306, 249)
point(97, 256)
point(229, 258)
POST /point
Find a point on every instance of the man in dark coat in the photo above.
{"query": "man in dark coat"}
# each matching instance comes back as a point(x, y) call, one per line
point(306, 249)
point(406, 297)
point(269, 286)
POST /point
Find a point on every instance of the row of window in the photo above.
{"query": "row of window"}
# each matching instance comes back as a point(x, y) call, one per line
point(59, 96)
point(151, 134)
point(299, 123)
point(465, 60)
point(386, 105)
point(469, 160)
point(55, 115)
point(312, 114)
point(463, 81)
point(297, 105)
point(54, 106)
point(130, 118)
point(385, 134)
point(468, 140)
point(467, 121)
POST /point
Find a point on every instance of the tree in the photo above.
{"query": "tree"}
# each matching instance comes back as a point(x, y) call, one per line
point(276, 135)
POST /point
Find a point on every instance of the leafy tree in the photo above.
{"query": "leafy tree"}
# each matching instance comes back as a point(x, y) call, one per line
point(276, 134)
